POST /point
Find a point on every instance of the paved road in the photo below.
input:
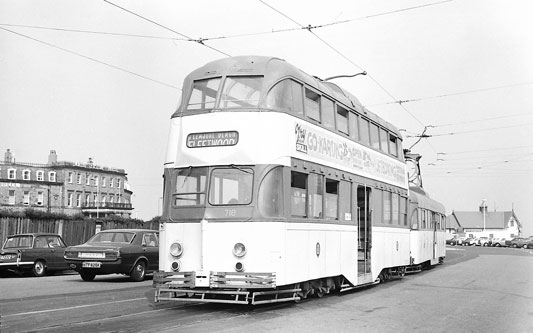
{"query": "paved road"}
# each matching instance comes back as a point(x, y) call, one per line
point(477, 289)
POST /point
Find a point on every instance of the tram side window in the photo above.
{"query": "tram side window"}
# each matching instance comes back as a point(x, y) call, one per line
point(270, 198)
point(204, 94)
point(353, 123)
point(387, 209)
point(316, 195)
point(241, 92)
point(299, 194)
point(312, 104)
point(414, 219)
point(342, 119)
point(365, 132)
point(403, 211)
point(384, 140)
point(287, 96)
point(393, 145)
point(332, 199)
point(374, 136)
point(395, 208)
point(328, 113)
point(190, 187)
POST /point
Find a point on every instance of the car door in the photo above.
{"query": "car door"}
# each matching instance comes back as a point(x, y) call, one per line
point(41, 251)
point(150, 245)
point(57, 250)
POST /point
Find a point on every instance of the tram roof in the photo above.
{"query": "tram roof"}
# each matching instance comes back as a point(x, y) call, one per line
point(274, 69)
point(419, 196)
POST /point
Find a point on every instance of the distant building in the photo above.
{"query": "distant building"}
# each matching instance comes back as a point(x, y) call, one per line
point(64, 187)
point(484, 223)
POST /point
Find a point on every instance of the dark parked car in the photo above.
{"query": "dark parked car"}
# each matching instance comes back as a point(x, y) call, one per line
point(37, 253)
point(455, 241)
point(520, 242)
point(134, 252)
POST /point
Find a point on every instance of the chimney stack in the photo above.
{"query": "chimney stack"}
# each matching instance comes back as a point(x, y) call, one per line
point(52, 158)
point(8, 157)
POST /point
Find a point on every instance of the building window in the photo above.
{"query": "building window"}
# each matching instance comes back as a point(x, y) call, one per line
point(87, 179)
point(12, 173)
point(111, 182)
point(40, 198)
point(26, 198)
point(104, 197)
point(70, 197)
point(52, 176)
point(96, 180)
point(87, 199)
point(11, 200)
point(103, 182)
point(40, 175)
point(78, 200)
point(118, 182)
point(78, 178)
point(70, 177)
point(26, 174)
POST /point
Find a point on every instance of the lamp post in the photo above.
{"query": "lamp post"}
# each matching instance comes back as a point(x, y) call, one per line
point(484, 203)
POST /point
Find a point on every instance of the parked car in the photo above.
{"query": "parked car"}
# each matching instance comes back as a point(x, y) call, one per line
point(469, 241)
point(133, 252)
point(483, 241)
point(498, 242)
point(529, 245)
point(456, 240)
point(37, 253)
point(520, 242)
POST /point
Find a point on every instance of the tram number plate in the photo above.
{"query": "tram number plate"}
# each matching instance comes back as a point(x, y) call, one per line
point(91, 264)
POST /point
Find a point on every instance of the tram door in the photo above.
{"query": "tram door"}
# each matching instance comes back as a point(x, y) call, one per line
point(364, 217)
point(434, 225)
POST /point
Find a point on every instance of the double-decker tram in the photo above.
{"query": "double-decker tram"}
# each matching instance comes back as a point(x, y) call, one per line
point(279, 186)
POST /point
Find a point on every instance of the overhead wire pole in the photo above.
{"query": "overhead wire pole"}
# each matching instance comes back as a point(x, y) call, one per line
point(199, 40)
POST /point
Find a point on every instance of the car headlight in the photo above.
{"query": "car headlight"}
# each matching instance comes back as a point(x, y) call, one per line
point(239, 250)
point(176, 249)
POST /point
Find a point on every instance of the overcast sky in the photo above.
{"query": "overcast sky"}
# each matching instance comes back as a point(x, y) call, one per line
point(100, 79)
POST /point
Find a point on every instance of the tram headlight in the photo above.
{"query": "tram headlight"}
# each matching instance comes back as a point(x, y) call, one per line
point(239, 250)
point(239, 267)
point(176, 249)
point(176, 265)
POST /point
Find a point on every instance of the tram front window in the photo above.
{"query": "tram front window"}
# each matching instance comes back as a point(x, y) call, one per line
point(231, 186)
point(190, 187)
point(241, 92)
point(204, 94)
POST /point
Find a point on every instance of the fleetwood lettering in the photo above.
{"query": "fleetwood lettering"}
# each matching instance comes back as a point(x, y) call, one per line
point(212, 139)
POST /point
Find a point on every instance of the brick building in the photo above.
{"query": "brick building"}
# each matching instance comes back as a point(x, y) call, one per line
point(64, 187)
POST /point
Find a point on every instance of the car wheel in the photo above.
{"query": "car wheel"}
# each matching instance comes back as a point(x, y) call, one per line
point(139, 271)
point(497, 245)
point(525, 246)
point(87, 276)
point(38, 269)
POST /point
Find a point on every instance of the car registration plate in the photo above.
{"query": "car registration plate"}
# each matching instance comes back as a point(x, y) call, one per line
point(8, 257)
point(91, 264)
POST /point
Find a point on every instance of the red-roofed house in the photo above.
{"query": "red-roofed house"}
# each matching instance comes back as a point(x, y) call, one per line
point(484, 223)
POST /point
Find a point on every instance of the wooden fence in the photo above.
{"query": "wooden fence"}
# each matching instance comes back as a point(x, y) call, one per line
point(73, 232)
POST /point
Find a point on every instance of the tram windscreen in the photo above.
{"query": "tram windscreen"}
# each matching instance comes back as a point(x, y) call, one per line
point(231, 186)
point(190, 187)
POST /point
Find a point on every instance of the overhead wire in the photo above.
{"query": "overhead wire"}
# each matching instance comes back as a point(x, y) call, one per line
point(310, 28)
point(199, 40)
point(90, 58)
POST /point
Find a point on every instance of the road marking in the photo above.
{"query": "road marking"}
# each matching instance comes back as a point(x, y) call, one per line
point(70, 308)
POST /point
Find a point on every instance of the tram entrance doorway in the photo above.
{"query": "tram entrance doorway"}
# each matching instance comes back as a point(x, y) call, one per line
point(364, 242)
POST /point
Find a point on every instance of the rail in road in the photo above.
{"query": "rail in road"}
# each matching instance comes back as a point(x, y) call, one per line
point(476, 289)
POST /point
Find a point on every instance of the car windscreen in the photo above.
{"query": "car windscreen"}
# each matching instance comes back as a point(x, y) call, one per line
point(112, 237)
point(18, 241)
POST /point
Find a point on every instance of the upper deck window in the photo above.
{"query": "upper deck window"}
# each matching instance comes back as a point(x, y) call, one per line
point(365, 131)
point(328, 113)
point(374, 136)
point(204, 94)
point(241, 91)
point(342, 119)
point(384, 139)
point(393, 145)
point(286, 95)
point(312, 104)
